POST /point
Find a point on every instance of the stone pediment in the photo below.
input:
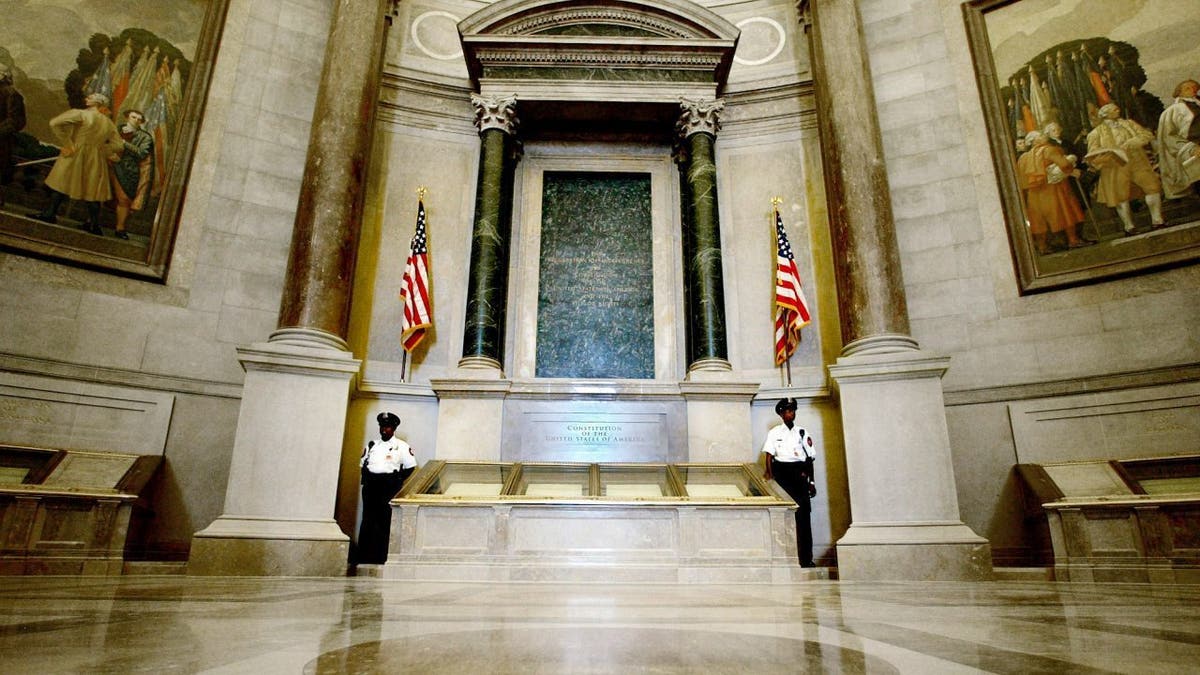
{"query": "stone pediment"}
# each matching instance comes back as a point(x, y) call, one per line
point(635, 50)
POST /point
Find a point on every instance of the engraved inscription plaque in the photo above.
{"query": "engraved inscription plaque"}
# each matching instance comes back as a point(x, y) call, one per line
point(595, 287)
point(619, 437)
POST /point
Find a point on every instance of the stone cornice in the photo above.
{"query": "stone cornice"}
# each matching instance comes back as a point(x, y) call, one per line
point(672, 42)
point(564, 52)
point(681, 18)
point(1157, 377)
point(123, 377)
point(605, 15)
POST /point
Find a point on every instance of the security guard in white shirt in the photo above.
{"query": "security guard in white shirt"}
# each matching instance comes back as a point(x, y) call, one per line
point(790, 452)
point(386, 464)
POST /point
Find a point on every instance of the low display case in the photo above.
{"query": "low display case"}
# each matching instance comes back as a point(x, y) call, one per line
point(579, 522)
point(68, 511)
point(513, 481)
point(1127, 520)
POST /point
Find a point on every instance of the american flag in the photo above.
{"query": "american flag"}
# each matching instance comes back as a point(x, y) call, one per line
point(414, 290)
point(791, 309)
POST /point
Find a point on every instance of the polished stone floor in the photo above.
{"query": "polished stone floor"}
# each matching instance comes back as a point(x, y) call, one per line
point(176, 624)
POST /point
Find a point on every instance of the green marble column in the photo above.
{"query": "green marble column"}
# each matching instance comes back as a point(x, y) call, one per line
point(487, 284)
point(705, 293)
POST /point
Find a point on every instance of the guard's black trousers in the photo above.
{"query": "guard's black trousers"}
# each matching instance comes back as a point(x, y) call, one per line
point(793, 478)
point(377, 491)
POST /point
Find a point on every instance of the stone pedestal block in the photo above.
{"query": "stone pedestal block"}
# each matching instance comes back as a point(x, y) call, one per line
point(913, 552)
point(471, 414)
point(903, 501)
point(279, 502)
point(234, 546)
point(718, 418)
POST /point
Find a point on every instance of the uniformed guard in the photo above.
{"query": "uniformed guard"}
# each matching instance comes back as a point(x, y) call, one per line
point(790, 453)
point(386, 464)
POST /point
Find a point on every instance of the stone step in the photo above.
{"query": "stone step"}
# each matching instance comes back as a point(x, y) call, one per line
point(154, 567)
point(1023, 574)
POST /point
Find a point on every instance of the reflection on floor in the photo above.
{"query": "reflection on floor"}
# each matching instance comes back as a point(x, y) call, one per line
point(242, 625)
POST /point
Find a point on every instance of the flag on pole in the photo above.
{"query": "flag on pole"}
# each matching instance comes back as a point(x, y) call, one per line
point(414, 289)
point(791, 309)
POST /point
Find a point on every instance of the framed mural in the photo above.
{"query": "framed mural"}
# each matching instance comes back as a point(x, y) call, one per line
point(1093, 120)
point(100, 106)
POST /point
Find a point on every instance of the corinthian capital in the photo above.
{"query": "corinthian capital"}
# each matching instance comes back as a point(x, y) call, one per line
point(804, 12)
point(699, 117)
point(496, 113)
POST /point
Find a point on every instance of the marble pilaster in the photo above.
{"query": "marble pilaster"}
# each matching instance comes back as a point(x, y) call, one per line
point(870, 286)
point(906, 522)
point(698, 125)
point(282, 489)
point(487, 286)
point(316, 300)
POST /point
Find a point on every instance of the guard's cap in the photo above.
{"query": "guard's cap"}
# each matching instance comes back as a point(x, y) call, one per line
point(785, 404)
point(387, 419)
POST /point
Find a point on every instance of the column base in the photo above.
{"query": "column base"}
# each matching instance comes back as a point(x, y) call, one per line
point(269, 547)
point(308, 337)
point(712, 364)
point(480, 367)
point(913, 552)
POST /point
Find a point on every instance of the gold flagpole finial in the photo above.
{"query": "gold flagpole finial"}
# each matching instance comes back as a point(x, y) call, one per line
point(776, 201)
point(421, 192)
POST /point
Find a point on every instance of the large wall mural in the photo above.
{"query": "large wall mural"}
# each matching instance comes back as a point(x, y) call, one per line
point(97, 125)
point(1089, 105)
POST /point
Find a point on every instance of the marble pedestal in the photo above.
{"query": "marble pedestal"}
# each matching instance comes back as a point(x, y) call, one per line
point(718, 417)
point(279, 503)
point(906, 523)
point(588, 542)
point(471, 414)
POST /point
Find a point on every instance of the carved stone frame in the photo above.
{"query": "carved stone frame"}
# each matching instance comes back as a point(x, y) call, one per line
point(1177, 248)
point(25, 235)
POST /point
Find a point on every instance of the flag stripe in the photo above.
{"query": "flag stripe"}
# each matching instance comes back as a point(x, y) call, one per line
point(414, 289)
point(791, 308)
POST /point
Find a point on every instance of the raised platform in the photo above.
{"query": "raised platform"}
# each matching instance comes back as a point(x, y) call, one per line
point(578, 522)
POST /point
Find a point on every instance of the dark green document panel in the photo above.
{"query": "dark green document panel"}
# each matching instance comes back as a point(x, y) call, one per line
point(596, 288)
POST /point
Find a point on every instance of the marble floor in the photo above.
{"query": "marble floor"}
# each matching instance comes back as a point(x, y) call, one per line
point(177, 624)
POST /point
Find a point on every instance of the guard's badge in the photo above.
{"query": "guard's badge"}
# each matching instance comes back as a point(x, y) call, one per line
point(810, 441)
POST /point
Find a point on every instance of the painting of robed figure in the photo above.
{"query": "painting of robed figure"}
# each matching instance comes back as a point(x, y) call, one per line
point(1091, 114)
point(96, 136)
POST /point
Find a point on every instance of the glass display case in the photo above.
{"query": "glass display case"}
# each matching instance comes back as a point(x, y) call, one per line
point(1129, 520)
point(554, 481)
point(1161, 475)
point(654, 522)
point(74, 508)
point(469, 480)
point(637, 481)
point(716, 481)
point(507, 481)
